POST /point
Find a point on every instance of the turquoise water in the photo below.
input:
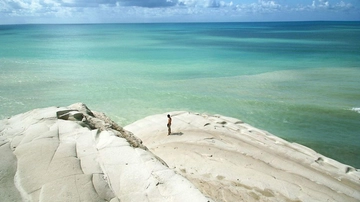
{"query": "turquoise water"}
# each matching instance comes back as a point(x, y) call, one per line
point(297, 80)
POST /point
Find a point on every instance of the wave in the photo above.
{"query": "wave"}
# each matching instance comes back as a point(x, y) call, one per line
point(356, 109)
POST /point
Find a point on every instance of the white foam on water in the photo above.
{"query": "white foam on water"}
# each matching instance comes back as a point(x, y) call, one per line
point(356, 109)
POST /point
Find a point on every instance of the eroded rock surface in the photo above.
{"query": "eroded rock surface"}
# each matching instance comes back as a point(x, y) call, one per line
point(75, 154)
point(229, 160)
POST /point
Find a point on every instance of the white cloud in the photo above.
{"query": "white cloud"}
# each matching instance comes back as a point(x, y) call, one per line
point(122, 10)
point(343, 6)
point(325, 5)
point(265, 6)
point(199, 3)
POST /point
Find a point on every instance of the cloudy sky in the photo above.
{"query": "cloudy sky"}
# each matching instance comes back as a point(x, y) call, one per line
point(113, 11)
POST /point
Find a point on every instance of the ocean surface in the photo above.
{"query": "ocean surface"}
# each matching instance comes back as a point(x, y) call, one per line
point(297, 80)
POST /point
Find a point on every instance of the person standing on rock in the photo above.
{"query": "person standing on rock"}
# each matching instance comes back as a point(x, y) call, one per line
point(169, 124)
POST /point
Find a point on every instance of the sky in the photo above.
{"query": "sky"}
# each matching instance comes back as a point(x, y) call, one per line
point(148, 11)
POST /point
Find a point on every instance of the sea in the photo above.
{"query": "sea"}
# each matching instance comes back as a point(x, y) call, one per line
point(297, 80)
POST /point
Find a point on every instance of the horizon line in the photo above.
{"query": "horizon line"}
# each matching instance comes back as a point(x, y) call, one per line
point(184, 22)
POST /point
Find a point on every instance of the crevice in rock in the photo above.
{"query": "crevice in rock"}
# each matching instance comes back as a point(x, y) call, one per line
point(95, 120)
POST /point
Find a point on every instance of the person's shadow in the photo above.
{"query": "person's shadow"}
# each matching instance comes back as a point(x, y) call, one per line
point(178, 133)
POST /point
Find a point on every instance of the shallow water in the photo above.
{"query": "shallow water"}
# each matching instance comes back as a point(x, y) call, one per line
point(297, 80)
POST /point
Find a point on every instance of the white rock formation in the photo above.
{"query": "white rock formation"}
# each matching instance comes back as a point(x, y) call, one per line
point(229, 160)
point(74, 154)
